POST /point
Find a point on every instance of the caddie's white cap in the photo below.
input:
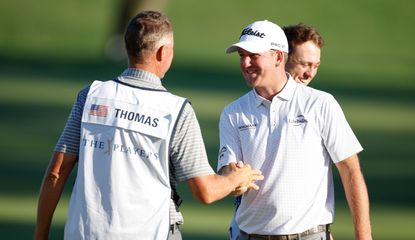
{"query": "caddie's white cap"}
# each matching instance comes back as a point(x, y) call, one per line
point(259, 37)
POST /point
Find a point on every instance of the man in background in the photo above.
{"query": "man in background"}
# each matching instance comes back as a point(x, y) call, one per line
point(304, 43)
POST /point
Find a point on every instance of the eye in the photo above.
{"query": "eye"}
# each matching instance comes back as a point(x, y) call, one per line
point(254, 56)
point(302, 64)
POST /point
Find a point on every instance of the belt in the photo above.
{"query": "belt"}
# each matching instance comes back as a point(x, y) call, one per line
point(318, 229)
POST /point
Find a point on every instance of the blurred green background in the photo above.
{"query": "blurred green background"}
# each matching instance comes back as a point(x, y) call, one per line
point(51, 49)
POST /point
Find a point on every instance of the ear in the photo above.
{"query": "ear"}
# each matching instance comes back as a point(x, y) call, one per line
point(161, 53)
point(279, 58)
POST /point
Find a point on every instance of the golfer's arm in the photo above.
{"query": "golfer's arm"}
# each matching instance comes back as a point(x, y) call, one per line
point(356, 195)
point(60, 167)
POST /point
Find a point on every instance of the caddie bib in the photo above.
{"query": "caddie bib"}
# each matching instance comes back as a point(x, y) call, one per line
point(122, 189)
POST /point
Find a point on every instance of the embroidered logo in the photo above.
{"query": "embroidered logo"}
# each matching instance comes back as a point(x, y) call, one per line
point(247, 126)
point(250, 31)
point(300, 119)
point(222, 152)
point(278, 45)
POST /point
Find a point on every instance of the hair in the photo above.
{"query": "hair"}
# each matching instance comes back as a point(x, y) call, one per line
point(145, 33)
point(300, 33)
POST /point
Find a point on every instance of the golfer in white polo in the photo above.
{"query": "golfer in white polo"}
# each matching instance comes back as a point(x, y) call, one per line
point(293, 134)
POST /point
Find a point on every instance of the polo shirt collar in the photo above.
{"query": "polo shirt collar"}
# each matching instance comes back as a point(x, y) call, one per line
point(258, 99)
point(286, 93)
point(288, 90)
point(140, 78)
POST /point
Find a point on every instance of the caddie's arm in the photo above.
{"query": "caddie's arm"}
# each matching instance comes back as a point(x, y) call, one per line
point(210, 188)
point(59, 169)
point(356, 195)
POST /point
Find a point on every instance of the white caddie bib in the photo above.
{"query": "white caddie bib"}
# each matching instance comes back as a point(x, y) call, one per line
point(122, 190)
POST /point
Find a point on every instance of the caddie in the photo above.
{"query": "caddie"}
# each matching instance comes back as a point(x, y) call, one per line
point(132, 140)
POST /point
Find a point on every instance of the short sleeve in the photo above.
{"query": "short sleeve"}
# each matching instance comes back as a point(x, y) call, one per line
point(338, 137)
point(229, 150)
point(70, 137)
point(188, 154)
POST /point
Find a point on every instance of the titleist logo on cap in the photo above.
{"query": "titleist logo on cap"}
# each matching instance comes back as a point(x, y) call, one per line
point(250, 31)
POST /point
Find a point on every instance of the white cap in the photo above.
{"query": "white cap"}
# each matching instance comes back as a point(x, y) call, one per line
point(259, 37)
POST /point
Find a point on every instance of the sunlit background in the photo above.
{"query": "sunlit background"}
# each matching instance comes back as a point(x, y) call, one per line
point(49, 50)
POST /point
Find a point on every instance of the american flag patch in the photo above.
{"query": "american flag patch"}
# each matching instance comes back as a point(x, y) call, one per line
point(98, 110)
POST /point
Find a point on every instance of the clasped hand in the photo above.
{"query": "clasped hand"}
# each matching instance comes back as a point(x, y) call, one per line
point(251, 176)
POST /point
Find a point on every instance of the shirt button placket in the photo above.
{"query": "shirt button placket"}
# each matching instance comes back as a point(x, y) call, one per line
point(274, 116)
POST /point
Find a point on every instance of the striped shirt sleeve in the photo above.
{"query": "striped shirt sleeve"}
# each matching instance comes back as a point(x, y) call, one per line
point(188, 153)
point(70, 137)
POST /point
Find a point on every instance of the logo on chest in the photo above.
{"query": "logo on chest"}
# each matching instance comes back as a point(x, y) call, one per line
point(299, 119)
point(247, 126)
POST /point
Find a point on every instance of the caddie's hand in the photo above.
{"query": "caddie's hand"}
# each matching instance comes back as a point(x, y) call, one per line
point(240, 164)
point(240, 189)
point(251, 184)
point(249, 181)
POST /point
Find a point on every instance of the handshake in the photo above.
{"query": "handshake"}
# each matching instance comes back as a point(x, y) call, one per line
point(244, 176)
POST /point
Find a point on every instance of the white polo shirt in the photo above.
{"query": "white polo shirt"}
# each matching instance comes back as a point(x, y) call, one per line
point(293, 140)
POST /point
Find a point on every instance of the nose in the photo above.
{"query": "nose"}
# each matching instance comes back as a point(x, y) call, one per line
point(245, 61)
point(313, 72)
point(308, 73)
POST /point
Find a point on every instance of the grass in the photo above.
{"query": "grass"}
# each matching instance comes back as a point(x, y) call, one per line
point(46, 56)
